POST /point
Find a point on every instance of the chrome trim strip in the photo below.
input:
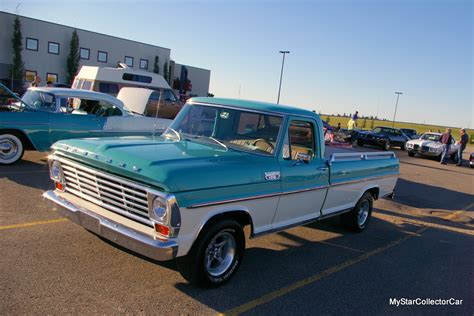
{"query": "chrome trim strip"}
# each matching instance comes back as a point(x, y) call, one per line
point(361, 156)
point(117, 233)
point(257, 197)
point(364, 179)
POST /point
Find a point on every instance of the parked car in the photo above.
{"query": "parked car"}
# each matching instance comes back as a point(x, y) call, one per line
point(221, 165)
point(411, 133)
point(429, 145)
point(45, 115)
point(149, 102)
point(384, 137)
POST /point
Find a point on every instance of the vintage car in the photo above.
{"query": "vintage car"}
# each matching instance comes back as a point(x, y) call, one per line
point(384, 137)
point(45, 115)
point(429, 145)
point(221, 165)
point(411, 133)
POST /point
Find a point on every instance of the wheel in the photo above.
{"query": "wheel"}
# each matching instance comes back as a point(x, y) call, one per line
point(358, 218)
point(386, 145)
point(402, 146)
point(215, 256)
point(411, 154)
point(454, 157)
point(360, 143)
point(11, 149)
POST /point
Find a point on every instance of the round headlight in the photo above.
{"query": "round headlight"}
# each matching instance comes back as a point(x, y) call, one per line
point(56, 170)
point(159, 208)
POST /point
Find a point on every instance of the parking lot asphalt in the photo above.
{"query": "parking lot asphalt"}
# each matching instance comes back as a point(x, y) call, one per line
point(418, 245)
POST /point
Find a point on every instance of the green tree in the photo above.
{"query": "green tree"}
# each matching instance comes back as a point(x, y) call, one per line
point(166, 72)
point(72, 65)
point(372, 125)
point(211, 95)
point(18, 68)
point(364, 123)
point(156, 66)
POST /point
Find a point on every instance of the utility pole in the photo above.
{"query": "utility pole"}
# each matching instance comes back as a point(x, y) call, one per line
point(284, 52)
point(396, 105)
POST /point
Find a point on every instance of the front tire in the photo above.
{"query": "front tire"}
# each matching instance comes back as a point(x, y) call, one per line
point(11, 149)
point(358, 218)
point(402, 146)
point(215, 256)
point(411, 154)
point(360, 143)
point(386, 145)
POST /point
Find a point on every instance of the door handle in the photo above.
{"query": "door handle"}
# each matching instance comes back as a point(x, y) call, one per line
point(322, 168)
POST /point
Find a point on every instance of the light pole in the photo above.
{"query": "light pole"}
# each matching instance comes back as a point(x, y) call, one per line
point(284, 52)
point(396, 105)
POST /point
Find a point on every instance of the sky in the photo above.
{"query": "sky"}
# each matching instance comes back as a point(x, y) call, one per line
point(345, 55)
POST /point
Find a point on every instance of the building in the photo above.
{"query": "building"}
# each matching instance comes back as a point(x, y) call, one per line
point(46, 48)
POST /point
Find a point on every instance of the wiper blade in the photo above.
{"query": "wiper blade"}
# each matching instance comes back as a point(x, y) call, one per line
point(214, 139)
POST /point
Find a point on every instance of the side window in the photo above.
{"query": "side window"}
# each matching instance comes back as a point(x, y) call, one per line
point(301, 140)
point(110, 88)
point(377, 130)
point(169, 96)
point(87, 85)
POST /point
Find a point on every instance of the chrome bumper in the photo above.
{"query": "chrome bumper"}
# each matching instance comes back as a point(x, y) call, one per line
point(120, 234)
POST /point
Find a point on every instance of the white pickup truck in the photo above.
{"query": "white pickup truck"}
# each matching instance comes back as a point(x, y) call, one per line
point(221, 165)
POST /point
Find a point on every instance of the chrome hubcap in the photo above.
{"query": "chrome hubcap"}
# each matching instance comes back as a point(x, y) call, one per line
point(220, 253)
point(8, 148)
point(363, 213)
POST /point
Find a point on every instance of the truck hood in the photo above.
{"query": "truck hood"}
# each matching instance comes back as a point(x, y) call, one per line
point(173, 166)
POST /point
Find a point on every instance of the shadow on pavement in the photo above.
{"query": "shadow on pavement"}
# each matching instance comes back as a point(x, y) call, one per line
point(422, 195)
point(27, 173)
point(265, 270)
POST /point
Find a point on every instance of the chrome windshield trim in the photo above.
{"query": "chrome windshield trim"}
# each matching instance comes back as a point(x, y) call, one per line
point(261, 196)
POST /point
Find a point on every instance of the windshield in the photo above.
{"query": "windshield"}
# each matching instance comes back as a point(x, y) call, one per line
point(432, 137)
point(40, 100)
point(227, 128)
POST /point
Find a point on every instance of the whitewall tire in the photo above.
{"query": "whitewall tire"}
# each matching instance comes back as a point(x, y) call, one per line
point(11, 149)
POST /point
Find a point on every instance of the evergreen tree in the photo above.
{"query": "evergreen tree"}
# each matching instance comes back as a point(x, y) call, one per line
point(372, 125)
point(166, 72)
point(73, 58)
point(156, 66)
point(18, 68)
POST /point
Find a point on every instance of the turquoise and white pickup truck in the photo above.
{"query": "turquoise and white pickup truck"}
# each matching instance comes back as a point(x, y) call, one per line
point(220, 166)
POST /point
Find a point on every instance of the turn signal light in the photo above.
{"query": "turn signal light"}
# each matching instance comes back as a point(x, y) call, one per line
point(59, 186)
point(162, 229)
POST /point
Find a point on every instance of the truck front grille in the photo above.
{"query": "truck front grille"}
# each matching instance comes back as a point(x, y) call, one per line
point(110, 192)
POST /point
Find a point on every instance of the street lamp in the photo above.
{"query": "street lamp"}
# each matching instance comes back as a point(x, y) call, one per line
point(396, 105)
point(284, 52)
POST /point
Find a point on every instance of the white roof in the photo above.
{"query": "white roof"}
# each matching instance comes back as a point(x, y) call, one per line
point(135, 99)
point(79, 93)
point(108, 74)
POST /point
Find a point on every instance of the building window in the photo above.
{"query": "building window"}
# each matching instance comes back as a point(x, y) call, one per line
point(129, 61)
point(51, 77)
point(30, 75)
point(31, 44)
point(85, 53)
point(53, 48)
point(101, 57)
point(144, 64)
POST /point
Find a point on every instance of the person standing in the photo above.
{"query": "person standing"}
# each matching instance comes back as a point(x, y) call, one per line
point(463, 139)
point(446, 139)
point(36, 81)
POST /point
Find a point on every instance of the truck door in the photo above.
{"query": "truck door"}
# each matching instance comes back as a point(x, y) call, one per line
point(304, 173)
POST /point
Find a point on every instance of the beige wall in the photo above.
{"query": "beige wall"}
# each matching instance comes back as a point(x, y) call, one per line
point(43, 62)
